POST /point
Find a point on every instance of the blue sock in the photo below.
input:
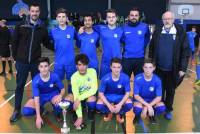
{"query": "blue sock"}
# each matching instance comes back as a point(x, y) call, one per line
point(160, 110)
point(28, 111)
point(125, 108)
point(69, 88)
point(198, 71)
point(137, 111)
point(102, 108)
point(91, 105)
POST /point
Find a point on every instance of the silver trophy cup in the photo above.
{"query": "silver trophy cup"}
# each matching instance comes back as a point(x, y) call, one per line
point(64, 105)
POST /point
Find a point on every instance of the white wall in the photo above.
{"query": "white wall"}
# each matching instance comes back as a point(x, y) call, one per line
point(174, 5)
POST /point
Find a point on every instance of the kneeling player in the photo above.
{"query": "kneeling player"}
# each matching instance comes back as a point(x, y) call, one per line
point(114, 93)
point(148, 93)
point(46, 87)
point(84, 88)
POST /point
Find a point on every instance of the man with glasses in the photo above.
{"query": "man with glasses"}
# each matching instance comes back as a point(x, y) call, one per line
point(136, 36)
point(170, 51)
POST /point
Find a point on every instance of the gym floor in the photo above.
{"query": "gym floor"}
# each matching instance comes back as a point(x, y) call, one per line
point(186, 114)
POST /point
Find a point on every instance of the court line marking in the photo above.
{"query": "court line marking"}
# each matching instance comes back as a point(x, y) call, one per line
point(12, 96)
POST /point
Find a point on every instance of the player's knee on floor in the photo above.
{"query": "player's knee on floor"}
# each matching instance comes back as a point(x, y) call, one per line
point(28, 111)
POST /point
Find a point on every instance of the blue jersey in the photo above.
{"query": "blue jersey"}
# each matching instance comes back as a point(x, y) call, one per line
point(64, 45)
point(40, 87)
point(135, 40)
point(191, 35)
point(109, 86)
point(111, 42)
point(88, 44)
point(148, 90)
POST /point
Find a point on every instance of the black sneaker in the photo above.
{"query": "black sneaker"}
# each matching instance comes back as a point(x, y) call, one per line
point(15, 116)
point(3, 74)
point(10, 71)
point(152, 119)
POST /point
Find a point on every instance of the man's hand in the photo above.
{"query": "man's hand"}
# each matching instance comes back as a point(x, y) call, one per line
point(150, 110)
point(78, 122)
point(111, 108)
point(76, 104)
point(81, 30)
point(144, 112)
point(117, 108)
point(38, 122)
point(56, 99)
point(181, 73)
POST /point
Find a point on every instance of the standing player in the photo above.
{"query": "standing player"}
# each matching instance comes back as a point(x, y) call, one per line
point(63, 37)
point(5, 37)
point(84, 88)
point(148, 93)
point(89, 41)
point(136, 36)
point(110, 36)
point(114, 93)
point(47, 87)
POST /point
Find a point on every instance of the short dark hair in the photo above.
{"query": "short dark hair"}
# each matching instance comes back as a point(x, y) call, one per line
point(88, 15)
point(34, 4)
point(149, 61)
point(43, 59)
point(82, 58)
point(115, 60)
point(135, 9)
point(111, 11)
point(61, 10)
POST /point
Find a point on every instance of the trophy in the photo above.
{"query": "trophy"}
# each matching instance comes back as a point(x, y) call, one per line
point(64, 105)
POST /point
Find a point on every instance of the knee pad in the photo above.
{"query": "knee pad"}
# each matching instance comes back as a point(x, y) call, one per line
point(160, 110)
point(91, 105)
point(28, 111)
point(137, 111)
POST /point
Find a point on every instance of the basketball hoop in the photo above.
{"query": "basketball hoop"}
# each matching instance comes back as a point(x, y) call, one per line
point(184, 11)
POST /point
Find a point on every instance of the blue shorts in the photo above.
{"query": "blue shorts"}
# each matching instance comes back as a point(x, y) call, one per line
point(61, 70)
point(112, 98)
point(44, 98)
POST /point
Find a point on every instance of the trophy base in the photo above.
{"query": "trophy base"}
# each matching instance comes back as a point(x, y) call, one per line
point(65, 130)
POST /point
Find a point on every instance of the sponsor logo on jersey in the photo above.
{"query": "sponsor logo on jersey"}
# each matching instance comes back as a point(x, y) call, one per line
point(68, 36)
point(115, 35)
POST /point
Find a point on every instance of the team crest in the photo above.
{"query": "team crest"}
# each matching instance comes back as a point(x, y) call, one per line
point(119, 86)
point(92, 40)
point(68, 36)
point(51, 85)
point(151, 89)
point(139, 32)
point(115, 35)
point(88, 79)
